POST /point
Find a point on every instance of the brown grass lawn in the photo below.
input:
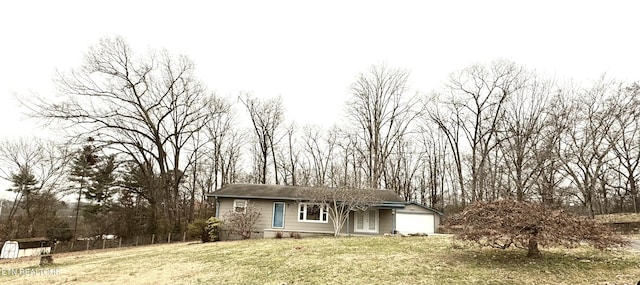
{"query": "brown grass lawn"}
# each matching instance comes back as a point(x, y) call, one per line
point(356, 260)
point(619, 218)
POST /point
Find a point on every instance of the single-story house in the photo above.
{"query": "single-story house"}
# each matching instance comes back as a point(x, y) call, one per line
point(290, 209)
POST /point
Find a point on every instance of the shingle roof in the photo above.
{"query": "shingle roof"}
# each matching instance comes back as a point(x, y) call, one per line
point(287, 192)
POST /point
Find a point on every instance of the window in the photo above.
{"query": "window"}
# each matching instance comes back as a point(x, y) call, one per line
point(316, 213)
point(366, 221)
point(278, 215)
point(240, 206)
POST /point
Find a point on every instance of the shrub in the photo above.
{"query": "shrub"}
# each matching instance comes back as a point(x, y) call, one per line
point(501, 224)
point(213, 226)
point(242, 223)
point(206, 230)
point(279, 235)
point(198, 228)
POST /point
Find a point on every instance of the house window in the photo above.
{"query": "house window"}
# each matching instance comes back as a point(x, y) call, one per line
point(240, 206)
point(366, 221)
point(309, 212)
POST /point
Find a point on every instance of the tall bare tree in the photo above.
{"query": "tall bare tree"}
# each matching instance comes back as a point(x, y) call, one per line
point(585, 150)
point(320, 148)
point(266, 117)
point(382, 113)
point(449, 123)
point(623, 138)
point(145, 107)
point(479, 94)
point(523, 121)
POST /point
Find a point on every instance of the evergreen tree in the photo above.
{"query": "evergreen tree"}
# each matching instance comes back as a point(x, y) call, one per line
point(24, 185)
point(82, 172)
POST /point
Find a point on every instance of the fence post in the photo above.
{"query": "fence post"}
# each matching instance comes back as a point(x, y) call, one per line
point(55, 244)
point(184, 237)
point(104, 241)
point(169, 238)
point(71, 246)
point(136, 240)
point(153, 238)
point(88, 240)
point(120, 242)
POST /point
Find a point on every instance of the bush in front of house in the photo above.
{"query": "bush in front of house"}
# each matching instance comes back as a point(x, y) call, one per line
point(198, 228)
point(206, 230)
point(213, 228)
point(242, 223)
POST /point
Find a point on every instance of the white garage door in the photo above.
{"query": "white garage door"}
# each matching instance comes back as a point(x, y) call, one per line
point(414, 223)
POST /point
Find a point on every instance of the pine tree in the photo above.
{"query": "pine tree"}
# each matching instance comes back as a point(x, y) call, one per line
point(82, 171)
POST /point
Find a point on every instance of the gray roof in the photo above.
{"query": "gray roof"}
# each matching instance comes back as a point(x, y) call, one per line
point(279, 192)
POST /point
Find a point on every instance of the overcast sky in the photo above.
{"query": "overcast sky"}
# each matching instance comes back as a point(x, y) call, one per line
point(310, 52)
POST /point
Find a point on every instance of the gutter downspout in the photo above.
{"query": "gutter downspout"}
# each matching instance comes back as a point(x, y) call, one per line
point(393, 221)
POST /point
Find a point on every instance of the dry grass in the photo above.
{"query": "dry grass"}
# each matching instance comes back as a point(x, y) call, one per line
point(363, 260)
point(619, 218)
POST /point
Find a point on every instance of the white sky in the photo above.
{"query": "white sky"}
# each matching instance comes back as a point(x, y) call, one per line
point(310, 52)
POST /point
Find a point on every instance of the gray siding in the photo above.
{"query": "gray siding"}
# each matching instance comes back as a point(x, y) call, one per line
point(385, 224)
point(291, 223)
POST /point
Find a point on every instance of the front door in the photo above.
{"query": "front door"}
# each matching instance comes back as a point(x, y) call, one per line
point(278, 215)
point(366, 221)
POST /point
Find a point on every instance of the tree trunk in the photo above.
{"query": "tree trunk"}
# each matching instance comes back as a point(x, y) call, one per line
point(533, 250)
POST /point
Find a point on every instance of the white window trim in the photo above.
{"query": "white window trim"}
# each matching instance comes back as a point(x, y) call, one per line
point(323, 213)
point(246, 204)
point(284, 211)
point(377, 222)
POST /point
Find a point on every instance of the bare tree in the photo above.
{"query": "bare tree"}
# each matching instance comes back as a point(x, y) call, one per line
point(382, 113)
point(523, 121)
point(320, 149)
point(266, 116)
point(37, 169)
point(402, 169)
point(449, 124)
point(290, 156)
point(478, 94)
point(433, 176)
point(585, 150)
point(224, 145)
point(145, 107)
point(341, 202)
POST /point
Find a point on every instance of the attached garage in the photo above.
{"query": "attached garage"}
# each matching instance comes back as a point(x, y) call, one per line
point(416, 219)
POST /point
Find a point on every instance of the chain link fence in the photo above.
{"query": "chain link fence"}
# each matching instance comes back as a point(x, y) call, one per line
point(118, 242)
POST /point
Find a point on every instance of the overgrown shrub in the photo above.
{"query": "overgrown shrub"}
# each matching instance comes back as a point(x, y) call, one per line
point(278, 235)
point(242, 223)
point(506, 223)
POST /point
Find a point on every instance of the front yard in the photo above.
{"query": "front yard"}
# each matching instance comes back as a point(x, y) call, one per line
point(362, 260)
